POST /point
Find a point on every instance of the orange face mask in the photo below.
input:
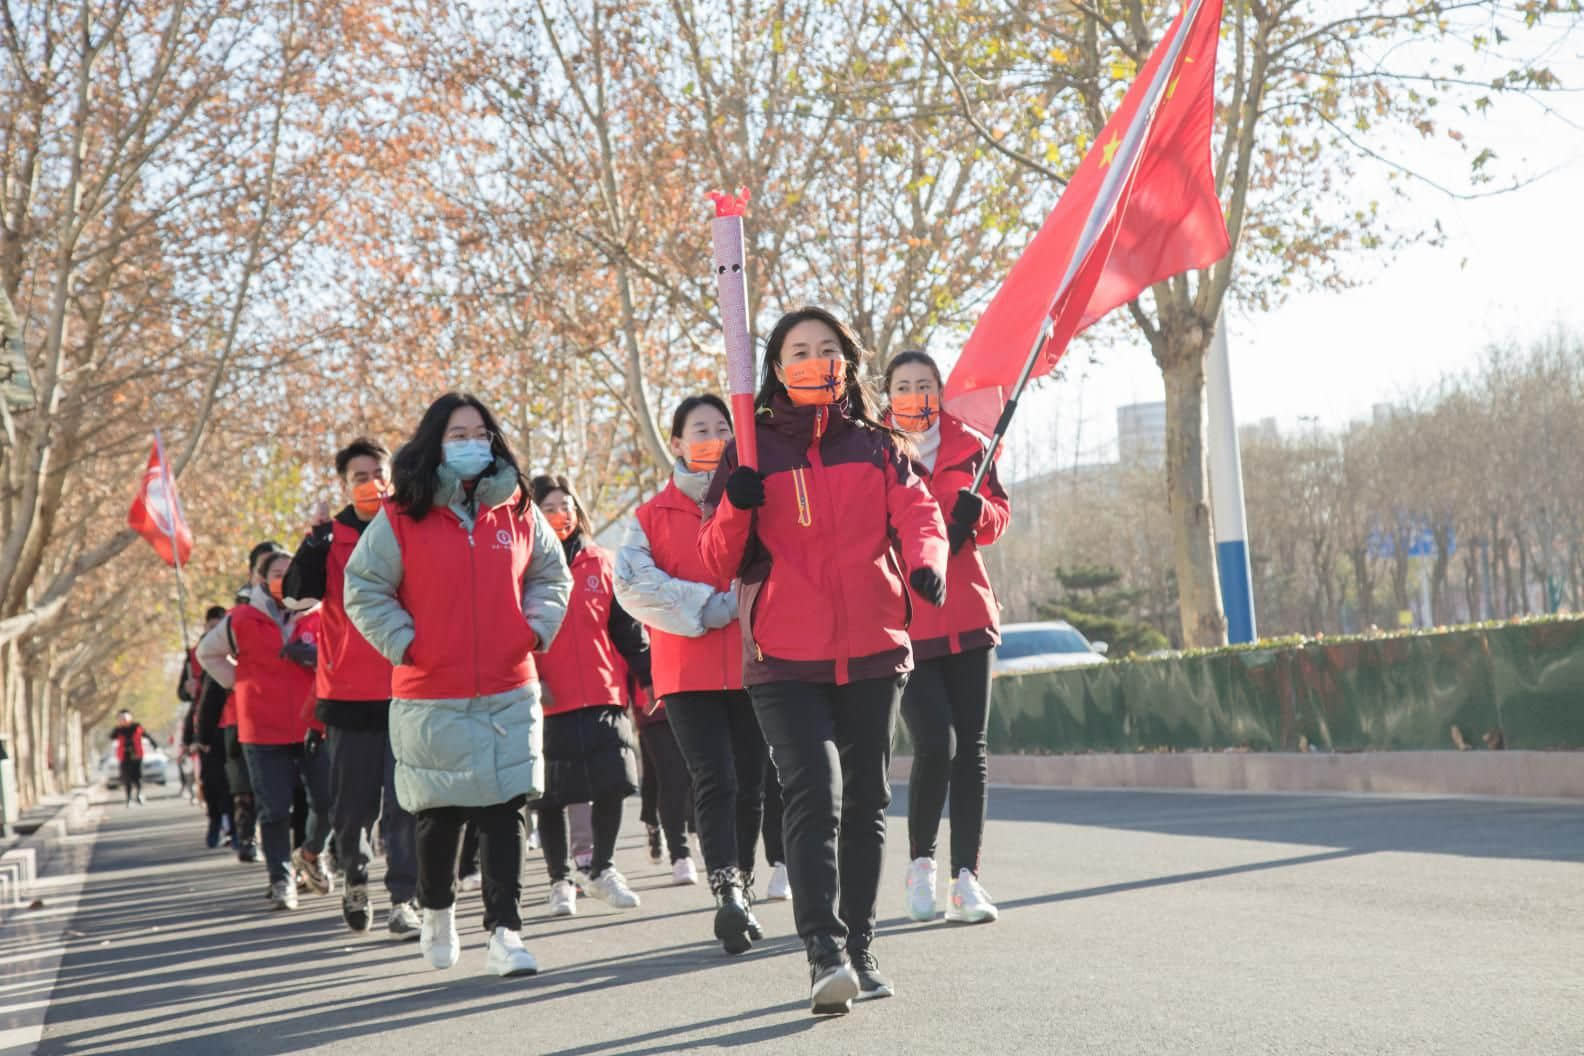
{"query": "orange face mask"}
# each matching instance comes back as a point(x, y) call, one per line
point(915, 411)
point(562, 524)
point(366, 497)
point(704, 455)
point(276, 587)
point(815, 382)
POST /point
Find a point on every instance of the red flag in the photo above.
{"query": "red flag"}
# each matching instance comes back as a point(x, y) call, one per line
point(156, 513)
point(1140, 208)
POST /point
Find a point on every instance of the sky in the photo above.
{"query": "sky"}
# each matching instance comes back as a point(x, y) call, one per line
point(1510, 270)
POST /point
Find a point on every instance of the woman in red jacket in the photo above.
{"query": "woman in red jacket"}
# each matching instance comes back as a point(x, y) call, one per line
point(947, 701)
point(274, 655)
point(591, 752)
point(819, 535)
point(697, 663)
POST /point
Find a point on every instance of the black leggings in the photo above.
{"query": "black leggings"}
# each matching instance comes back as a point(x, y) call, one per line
point(501, 842)
point(775, 849)
point(216, 789)
point(664, 760)
point(946, 707)
point(725, 751)
point(606, 818)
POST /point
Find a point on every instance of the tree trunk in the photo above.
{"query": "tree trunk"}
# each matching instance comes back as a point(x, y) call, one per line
point(1181, 356)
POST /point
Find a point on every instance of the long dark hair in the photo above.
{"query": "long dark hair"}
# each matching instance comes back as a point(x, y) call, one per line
point(545, 483)
point(413, 469)
point(693, 403)
point(858, 401)
point(913, 355)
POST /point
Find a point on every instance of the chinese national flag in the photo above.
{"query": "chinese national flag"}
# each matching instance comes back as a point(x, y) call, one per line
point(1140, 208)
point(156, 513)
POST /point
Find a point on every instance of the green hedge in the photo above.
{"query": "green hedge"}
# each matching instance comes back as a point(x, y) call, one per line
point(1522, 682)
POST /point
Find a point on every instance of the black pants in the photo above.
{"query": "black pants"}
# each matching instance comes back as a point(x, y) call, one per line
point(832, 747)
point(663, 759)
point(725, 752)
point(606, 818)
point(245, 817)
point(946, 707)
point(468, 860)
point(362, 791)
point(502, 840)
point(132, 777)
point(216, 788)
point(775, 849)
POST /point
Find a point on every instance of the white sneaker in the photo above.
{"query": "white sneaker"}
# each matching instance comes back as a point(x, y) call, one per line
point(683, 872)
point(611, 888)
point(969, 903)
point(506, 955)
point(471, 882)
point(563, 898)
point(921, 889)
point(780, 887)
point(438, 939)
point(283, 894)
point(533, 838)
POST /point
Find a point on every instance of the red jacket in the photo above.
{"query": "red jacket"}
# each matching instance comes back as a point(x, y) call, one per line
point(970, 619)
point(823, 594)
point(671, 522)
point(273, 694)
point(465, 596)
point(583, 668)
point(349, 667)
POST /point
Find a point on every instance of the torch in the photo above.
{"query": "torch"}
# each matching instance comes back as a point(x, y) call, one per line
point(732, 283)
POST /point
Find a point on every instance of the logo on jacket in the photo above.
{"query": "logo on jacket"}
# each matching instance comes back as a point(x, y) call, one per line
point(593, 582)
point(503, 540)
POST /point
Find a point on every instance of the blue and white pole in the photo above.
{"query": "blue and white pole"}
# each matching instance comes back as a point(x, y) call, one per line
point(1226, 494)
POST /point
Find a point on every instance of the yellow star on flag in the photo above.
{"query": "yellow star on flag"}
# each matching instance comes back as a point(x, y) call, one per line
point(1171, 89)
point(1109, 150)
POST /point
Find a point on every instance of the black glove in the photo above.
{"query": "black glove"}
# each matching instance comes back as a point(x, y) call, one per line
point(301, 653)
point(967, 509)
point(313, 742)
point(745, 488)
point(964, 515)
point(958, 535)
point(928, 586)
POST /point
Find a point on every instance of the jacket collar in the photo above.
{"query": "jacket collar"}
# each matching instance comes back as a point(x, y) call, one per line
point(693, 485)
point(495, 488)
point(801, 423)
point(572, 546)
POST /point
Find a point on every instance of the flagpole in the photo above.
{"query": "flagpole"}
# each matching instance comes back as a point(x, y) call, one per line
point(1110, 188)
point(1227, 510)
point(170, 530)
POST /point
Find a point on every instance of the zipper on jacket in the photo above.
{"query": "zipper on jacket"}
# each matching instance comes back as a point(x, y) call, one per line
point(478, 685)
point(817, 464)
point(805, 509)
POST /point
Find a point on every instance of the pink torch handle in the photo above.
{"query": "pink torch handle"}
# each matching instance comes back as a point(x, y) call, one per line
point(731, 281)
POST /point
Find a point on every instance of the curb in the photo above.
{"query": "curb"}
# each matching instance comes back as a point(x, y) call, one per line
point(27, 858)
point(1515, 774)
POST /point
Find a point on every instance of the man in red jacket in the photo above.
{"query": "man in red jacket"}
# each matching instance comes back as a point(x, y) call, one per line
point(353, 686)
point(129, 736)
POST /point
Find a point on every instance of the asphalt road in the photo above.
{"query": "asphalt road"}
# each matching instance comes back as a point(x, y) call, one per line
point(1133, 922)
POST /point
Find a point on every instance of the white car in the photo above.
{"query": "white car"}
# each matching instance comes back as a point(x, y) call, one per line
point(1047, 646)
point(156, 768)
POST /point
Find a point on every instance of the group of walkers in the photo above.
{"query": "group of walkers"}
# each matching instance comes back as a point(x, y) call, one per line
point(452, 655)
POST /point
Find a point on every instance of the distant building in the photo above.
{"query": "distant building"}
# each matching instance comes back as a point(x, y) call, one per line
point(1141, 433)
point(1264, 430)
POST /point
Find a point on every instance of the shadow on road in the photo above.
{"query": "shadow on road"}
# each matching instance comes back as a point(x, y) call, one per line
point(1482, 828)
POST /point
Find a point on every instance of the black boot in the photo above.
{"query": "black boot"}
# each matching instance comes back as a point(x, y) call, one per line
point(755, 932)
point(731, 911)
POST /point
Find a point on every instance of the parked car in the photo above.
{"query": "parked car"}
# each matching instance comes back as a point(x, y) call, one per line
point(156, 768)
point(1045, 646)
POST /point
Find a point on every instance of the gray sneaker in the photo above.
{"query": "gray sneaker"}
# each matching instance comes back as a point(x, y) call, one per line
point(404, 922)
